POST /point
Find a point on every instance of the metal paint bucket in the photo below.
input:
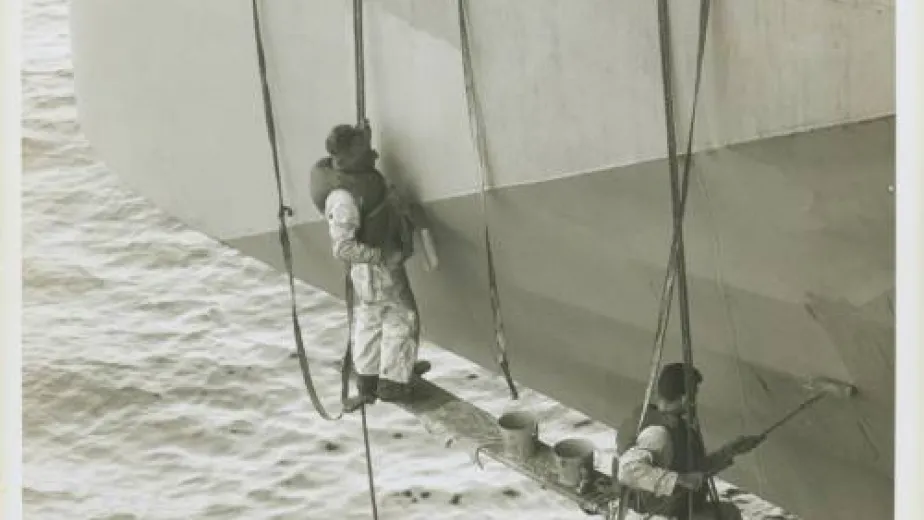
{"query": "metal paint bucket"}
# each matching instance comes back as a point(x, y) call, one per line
point(520, 433)
point(574, 460)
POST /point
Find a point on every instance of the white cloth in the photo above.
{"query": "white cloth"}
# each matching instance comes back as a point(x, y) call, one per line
point(385, 340)
point(343, 220)
point(642, 465)
point(385, 321)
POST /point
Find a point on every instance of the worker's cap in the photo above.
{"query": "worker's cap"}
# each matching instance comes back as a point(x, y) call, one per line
point(672, 381)
point(341, 138)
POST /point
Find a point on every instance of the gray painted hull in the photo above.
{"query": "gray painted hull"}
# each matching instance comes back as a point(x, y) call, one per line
point(790, 230)
point(781, 289)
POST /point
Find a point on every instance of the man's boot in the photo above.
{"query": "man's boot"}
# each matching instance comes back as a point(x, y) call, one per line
point(367, 387)
point(394, 392)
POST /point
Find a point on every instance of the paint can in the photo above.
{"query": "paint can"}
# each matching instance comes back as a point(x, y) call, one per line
point(520, 433)
point(574, 460)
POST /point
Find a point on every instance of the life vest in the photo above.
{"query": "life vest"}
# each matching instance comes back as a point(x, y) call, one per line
point(381, 224)
point(675, 505)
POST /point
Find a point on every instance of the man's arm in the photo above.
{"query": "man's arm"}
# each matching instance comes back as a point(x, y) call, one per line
point(638, 467)
point(724, 457)
point(343, 222)
point(718, 462)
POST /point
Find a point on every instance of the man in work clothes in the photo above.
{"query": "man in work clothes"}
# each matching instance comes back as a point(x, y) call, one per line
point(656, 466)
point(371, 234)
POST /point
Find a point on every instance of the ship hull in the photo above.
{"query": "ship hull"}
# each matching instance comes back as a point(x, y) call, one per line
point(790, 228)
point(780, 291)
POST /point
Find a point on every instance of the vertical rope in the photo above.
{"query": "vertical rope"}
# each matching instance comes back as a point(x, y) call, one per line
point(359, 62)
point(682, 297)
point(477, 128)
point(284, 212)
point(375, 509)
point(677, 202)
point(361, 122)
point(676, 270)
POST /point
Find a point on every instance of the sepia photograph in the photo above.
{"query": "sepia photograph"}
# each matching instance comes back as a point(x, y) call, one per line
point(462, 259)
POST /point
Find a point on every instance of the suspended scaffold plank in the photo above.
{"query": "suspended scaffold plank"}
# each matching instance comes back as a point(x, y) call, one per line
point(462, 425)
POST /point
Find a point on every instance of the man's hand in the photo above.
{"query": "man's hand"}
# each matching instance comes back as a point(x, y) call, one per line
point(691, 481)
point(725, 456)
point(738, 446)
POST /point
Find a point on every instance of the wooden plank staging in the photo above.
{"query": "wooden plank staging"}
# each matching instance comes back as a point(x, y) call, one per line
point(468, 427)
point(465, 425)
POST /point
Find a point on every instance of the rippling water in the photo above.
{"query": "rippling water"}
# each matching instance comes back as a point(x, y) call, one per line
point(158, 375)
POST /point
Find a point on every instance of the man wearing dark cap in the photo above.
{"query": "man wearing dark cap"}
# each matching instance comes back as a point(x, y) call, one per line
point(656, 464)
point(373, 237)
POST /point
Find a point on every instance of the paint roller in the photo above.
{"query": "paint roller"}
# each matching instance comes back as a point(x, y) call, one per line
point(820, 387)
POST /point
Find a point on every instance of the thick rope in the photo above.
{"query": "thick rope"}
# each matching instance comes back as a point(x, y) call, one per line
point(360, 122)
point(375, 509)
point(667, 287)
point(676, 263)
point(359, 62)
point(692, 412)
point(705, 6)
point(285, 211)
point(682, 297)
point(693, 425)
point(476, 124)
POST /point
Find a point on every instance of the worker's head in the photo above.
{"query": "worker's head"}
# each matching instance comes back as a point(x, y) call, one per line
point(350, 147)
point(672, 388)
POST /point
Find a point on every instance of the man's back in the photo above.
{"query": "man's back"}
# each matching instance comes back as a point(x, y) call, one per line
point(651, 463)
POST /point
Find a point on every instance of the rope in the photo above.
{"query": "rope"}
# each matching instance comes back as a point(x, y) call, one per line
point(682, 297)
point(359, 62)
point(476, 124)
point(375, 509)
point(666, 65)
point(286, 211)
point(692, 413)
point(676, 263)
point(676, 253)
point(361, 122)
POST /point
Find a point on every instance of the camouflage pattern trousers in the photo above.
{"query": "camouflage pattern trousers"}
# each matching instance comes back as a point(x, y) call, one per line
point(386, 325)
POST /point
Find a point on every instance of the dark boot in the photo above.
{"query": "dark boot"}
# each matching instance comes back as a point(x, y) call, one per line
point(366, 387)
point(393, 392)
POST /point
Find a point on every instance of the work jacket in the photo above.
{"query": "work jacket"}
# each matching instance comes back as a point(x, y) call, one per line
point(650, 463)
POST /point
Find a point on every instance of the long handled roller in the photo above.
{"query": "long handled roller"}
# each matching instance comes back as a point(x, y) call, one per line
point(822, 387)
